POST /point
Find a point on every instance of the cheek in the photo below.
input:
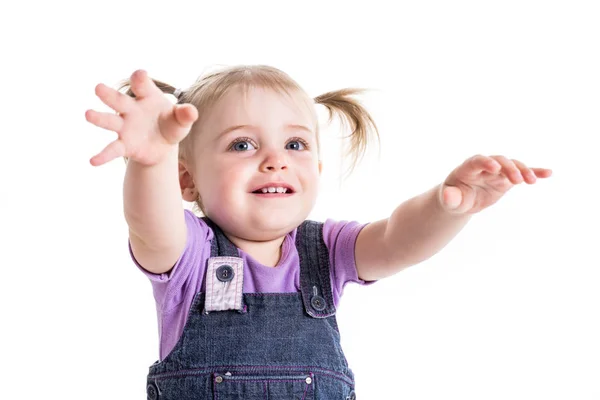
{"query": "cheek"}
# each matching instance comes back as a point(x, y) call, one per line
point(310, 166)
point(310, 180)
point(227, 179)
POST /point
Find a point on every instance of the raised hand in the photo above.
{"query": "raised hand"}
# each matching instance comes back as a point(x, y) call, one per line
point(148, 126)
point(481, 181)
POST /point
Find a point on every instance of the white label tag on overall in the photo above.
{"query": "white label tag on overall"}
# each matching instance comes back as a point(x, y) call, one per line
point(224, 284)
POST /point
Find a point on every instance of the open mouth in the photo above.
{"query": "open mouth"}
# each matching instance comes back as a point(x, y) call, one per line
point(273, 191)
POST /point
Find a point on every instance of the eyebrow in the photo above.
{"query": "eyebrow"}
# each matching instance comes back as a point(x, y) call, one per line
point(237, 127)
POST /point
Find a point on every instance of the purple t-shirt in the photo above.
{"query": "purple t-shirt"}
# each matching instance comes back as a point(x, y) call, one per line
point(174, 291)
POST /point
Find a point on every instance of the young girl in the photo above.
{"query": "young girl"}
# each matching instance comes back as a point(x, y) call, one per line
point(246, 294)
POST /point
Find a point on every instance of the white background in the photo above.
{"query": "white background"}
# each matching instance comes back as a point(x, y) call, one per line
point(510, 309)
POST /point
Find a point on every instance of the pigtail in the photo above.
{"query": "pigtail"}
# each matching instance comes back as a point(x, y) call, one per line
point(353, 116)
point(164, 87)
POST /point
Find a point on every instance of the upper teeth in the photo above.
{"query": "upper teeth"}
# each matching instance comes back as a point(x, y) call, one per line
point(274, 189)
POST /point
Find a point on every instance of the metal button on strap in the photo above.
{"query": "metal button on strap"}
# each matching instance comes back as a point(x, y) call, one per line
point(308, 380)
point(317, 301)
point(225, 273)
point(151, 392)
point(219, 379)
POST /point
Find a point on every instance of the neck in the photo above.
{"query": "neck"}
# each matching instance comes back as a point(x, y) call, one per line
point(267, 253)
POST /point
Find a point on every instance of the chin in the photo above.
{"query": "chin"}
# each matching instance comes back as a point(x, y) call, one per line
point(256, 227)
point(277, 225)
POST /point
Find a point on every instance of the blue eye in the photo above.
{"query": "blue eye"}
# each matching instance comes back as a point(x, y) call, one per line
point(299, 144)
point(245, 144)
point(241, 145)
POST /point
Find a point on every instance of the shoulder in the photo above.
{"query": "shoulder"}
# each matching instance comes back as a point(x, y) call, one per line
point(339, 236)
point(197, 225)
point(185, 278)
point(341, 233)
point(198, 234)
point(334, 233)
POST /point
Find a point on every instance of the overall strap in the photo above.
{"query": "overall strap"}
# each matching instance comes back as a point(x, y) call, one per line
point(220, 246)
point(314, 270)
point(224, 274)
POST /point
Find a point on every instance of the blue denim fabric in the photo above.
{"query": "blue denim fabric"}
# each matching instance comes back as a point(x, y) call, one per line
point(281, 346)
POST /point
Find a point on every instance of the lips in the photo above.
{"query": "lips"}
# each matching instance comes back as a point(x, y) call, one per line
point(258, 189)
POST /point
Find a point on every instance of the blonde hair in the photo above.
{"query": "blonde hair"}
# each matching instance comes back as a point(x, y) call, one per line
point(211, 87)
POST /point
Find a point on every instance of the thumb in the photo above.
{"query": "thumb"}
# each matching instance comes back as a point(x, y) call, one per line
point(451, 197)
point(185, 114)
point(179, 123)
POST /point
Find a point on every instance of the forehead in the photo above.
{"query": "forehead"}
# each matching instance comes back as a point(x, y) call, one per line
point(256, 105)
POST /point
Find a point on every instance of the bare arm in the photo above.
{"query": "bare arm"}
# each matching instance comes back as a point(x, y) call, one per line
point(149, 129)
point(420, 227)
point(417, 229)
point(154, 212)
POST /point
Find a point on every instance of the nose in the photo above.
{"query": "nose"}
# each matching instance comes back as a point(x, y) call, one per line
point(274, 161)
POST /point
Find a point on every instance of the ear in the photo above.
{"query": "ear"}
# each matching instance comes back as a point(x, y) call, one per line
point(186, 182)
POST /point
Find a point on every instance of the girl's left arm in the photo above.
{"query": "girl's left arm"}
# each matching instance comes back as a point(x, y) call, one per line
point(423, 225)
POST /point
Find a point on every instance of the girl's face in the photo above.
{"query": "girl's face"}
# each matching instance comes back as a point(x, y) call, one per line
point(254, 141)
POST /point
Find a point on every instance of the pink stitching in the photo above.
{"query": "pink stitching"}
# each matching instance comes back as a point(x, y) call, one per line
point(334, 374)
point(210, 292)
point(305, 390)
point(237, 281)
point(307, 386)
point(273, 294)
point(262, 380)
point(216, 391)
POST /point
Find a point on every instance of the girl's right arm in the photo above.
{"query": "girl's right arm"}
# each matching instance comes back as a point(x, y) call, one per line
point(150, 128)
point(154, 212)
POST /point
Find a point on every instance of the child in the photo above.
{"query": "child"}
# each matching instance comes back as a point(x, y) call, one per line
point(246, 294)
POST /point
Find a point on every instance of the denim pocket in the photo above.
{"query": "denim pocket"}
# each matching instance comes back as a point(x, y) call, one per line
point(262, 387)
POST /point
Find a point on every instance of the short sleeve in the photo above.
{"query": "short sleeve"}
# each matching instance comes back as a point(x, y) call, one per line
point(340, 239)
point(166, 285)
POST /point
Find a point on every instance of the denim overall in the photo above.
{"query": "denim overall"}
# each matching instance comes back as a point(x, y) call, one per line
point(271, 346)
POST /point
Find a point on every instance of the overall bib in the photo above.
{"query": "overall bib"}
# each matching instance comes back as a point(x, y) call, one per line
point(261, 346)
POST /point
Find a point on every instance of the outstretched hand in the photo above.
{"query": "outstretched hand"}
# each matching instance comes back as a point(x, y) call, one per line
point(148, 126)
point(481, 181)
